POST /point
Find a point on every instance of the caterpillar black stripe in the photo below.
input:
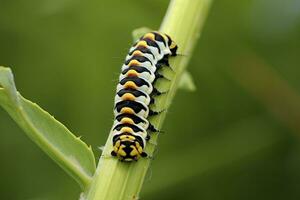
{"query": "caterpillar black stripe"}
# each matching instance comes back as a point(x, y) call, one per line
point(135, 92)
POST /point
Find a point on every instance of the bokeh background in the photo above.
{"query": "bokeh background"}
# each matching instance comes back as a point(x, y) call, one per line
point(236, 137)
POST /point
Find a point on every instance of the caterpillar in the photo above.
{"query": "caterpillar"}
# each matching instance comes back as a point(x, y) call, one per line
point(135, 93)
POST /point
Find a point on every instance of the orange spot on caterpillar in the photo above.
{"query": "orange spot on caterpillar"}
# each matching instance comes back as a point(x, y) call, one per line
point(128, 96)
point(127, 110)
point(150, 36)
point(130, 84)
point(132, 73)
point(127, 120)
point(133, 63)
point(126, 130)
point(142, 43)
point(137, 53)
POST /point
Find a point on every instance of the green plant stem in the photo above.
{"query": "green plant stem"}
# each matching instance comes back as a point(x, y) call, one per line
point(115, 180)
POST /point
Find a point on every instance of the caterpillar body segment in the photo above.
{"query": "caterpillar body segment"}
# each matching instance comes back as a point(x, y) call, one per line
point(134, 62)
point(140, 50)
point(138, 71)
point(150, 64)
point(132, 107)
point(143, 44)
point(137, 120)
point(139, 59)
point(136, 83)
point(136, 92)
point(133, 95)
point(131, 129)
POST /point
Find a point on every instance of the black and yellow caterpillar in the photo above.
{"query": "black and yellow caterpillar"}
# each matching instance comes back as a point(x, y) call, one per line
point(135, 92)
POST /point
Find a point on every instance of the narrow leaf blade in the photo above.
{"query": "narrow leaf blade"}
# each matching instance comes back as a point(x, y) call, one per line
point(67, 150)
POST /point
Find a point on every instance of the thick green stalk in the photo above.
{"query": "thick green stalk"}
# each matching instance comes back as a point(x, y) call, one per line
point(115, 180)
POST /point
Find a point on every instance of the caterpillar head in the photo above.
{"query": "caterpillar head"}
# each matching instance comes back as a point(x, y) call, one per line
point(128, 147)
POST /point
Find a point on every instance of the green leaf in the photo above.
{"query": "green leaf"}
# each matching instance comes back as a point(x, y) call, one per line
point(186, 82)
point(139, 32)
point(67, 150)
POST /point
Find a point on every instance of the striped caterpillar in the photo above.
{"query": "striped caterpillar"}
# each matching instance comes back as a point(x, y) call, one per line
point(135, 92)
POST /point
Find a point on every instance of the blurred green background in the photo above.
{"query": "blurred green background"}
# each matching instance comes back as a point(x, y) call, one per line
point(236, 137)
